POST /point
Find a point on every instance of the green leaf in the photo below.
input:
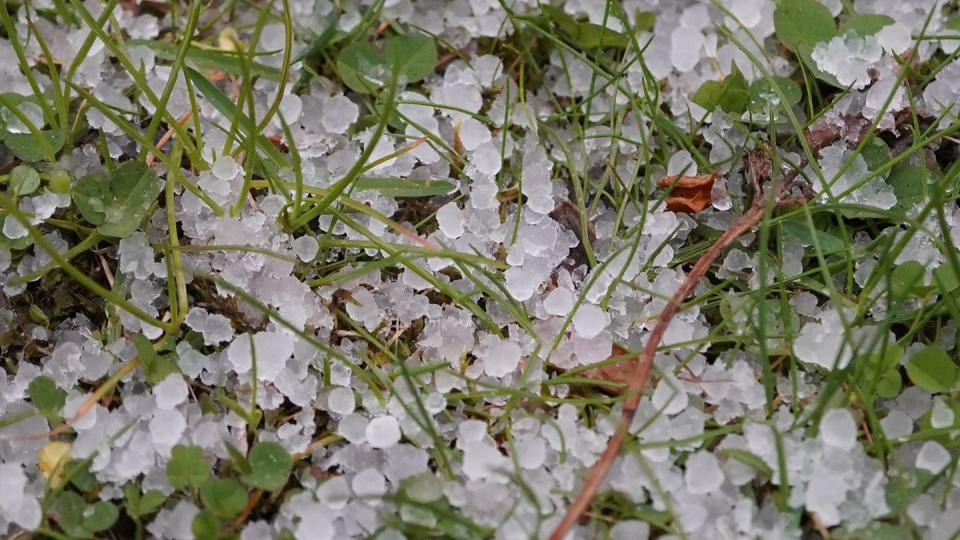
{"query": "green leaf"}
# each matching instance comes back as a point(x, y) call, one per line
point(205, 526)
point(403, 187)
point(731, 95)
point(70, 506)
point(904, 488)
point(78, 471)
point(24, 180)
point(46, 396)
point(829, 243)
point(187, 467)
point(320, 43)
point(585, 34)
point(100, 516)
point(932, 369)
point(207, 59)
point(644, 21)
point(889, 384)
point(26, 147)
point(141, 504)
point(413, 56)
point(266, 151)
point(270, 464)
point(876, 153)
point(117, 205)
point(905, 278)
point(764, 98)
point(362, 68)
point(748, 458)
point(946, 278)
point(908, 184)
point(865, 24)
point(803, 23)
point(225, 497)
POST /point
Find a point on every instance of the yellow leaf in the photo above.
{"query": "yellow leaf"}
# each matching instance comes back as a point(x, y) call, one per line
point(53, 457)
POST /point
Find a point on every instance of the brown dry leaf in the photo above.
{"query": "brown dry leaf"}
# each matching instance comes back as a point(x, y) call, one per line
point(619, 372)
point(689, 193)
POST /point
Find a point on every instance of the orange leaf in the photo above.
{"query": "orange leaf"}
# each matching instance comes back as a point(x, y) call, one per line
point(689, 194)
point(618, 372)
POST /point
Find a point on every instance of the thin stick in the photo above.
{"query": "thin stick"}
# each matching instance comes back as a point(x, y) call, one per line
point(166, 137)
point(641, 374)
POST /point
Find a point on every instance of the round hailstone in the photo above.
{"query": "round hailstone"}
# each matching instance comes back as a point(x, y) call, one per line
point(306, 248)
point(170, 392)
point(369, 483)
point(559, 302)
point(383, 432)
point(166, 427)
point(932, 457)
point(338, 113)
point(703, 473)
point(72, 407)
point(341, 400)
point(630, 529)
point(531, 452)
point(941, 415)
point(225, 168)
point(450, 220)
point(896, 424)
point(314, 526)
point(589, 320)
point(473, 133)
point(837, 428)
point(486, 158)
point(335, 492)
point(501, 359)
point(353, 428)
point(290, 108)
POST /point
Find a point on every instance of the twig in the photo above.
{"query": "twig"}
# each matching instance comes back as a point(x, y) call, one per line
point(166, 138)
point(755, 162)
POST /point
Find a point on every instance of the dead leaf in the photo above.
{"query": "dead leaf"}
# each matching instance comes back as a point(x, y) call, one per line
point(689, 194)
point(618, 372)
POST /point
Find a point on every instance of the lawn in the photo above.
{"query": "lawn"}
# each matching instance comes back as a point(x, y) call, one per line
point(587, 269)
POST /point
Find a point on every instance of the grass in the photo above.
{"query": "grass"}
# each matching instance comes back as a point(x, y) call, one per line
point(747, 313)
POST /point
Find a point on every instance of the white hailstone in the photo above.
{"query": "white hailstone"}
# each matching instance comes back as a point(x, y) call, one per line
point(335, 492)
point(531, 452)
point(895, 38)
point(290, 107)
point(338, 113)
point(669, 398)
point(13, 229)
point(314, 526)
point(703, 473)
point(363, 307)
point(896, 424)
point(826, 491)
point(470, 431)
point(238, 353)
point(481, 461)
point(932, 457)
point(501, 359)
point(353, 428)
point(685, 47)
point(823, 344)
point(486, 158)
point(682, 163)
point(559, 302)
point(837, 428)
point(369, 483)
point(225, 168)
point(473, 133)
point(72, 407)
point(30, 110)
point(273, 350)
point(630, 529)
point(170, 392)
point(450, 220)
point(941, 415)
point(341, 401)
point(16, 505)
point(589, 320)
point(520, 282)
point(306, 248)
point(383, 432)
point(166, 427)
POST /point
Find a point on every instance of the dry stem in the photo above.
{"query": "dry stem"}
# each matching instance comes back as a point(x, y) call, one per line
point(755, 164)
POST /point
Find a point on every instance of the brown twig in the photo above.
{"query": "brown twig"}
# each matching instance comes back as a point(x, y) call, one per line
point(757, 167)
